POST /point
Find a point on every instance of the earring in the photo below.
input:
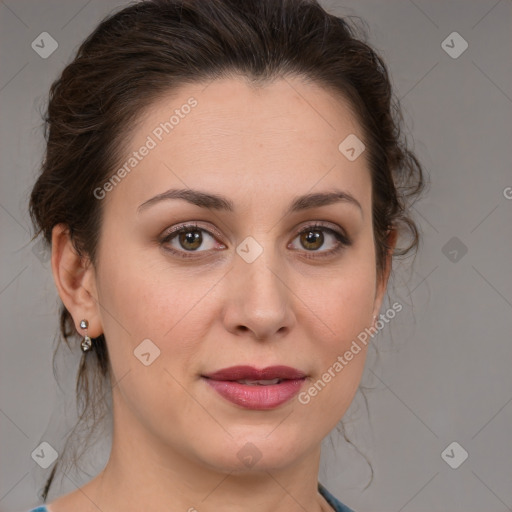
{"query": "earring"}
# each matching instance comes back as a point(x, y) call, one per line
point(86, 342)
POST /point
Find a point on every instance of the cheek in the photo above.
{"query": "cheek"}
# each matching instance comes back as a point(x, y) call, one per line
point(338, 316)
point(150, 343)
point(341, 303)
point(143, 298)
point(342, 313)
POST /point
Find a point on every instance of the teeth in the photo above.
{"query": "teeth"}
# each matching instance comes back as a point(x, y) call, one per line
point(258, 382)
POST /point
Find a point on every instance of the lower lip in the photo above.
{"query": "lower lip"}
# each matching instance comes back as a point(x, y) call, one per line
point(257, 397)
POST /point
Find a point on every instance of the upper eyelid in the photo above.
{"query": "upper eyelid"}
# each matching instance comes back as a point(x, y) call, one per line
point(313, 224)
point(190, 226)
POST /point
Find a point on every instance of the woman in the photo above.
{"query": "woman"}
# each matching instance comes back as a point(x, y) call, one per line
point(223, 191)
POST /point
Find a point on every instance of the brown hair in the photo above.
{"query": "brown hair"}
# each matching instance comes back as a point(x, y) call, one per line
point(154, 46)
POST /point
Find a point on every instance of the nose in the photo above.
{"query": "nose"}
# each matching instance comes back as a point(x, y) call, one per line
point(259, 299)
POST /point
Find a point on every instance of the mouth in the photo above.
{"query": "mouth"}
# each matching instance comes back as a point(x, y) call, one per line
point(251, 388)
point(248, 382)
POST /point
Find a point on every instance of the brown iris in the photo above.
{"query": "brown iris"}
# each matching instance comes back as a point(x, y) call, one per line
point(191, 239)
point(310, 238)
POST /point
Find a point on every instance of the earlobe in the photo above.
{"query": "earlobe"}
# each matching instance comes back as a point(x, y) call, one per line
point(75, 281)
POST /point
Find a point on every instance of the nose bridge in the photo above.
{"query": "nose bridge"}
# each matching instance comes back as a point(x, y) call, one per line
point(259, 266)
point(260, 300)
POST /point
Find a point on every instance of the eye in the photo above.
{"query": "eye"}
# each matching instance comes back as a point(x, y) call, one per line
point(184, 240)
point(188, 238)
point(313, 237)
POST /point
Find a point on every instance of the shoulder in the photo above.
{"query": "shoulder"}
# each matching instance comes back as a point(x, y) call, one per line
point(334, 502)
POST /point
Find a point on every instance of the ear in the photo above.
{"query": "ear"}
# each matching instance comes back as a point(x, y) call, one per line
point(75, 280)
point(392, 238)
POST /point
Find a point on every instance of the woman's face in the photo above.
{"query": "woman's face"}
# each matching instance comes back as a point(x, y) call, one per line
point(244, 287)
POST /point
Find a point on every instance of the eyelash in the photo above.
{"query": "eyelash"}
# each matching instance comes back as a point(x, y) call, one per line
point(343, 241)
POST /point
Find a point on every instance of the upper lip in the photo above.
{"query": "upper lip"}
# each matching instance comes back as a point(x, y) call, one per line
point(251, 373)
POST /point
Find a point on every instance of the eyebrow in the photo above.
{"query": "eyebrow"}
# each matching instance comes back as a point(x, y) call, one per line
point(220, 203)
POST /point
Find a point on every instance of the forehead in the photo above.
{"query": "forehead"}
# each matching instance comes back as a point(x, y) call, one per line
point(234, 138)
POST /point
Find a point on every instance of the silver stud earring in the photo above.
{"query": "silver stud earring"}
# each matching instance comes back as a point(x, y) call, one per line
point(86, 342)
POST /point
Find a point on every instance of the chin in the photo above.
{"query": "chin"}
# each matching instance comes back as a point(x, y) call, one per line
point(250, 451)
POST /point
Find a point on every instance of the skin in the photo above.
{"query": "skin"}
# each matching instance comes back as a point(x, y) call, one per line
point(175, 440)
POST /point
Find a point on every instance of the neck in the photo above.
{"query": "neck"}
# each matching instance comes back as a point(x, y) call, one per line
point(144, 474)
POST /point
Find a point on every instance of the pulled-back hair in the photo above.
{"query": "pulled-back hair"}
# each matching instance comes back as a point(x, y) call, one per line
point(152, 47)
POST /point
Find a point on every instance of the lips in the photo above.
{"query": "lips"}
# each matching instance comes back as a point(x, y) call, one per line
point(252, 388)
point(251, 373)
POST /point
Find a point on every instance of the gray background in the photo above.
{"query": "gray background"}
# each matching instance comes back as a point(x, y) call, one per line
point(444, 372)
